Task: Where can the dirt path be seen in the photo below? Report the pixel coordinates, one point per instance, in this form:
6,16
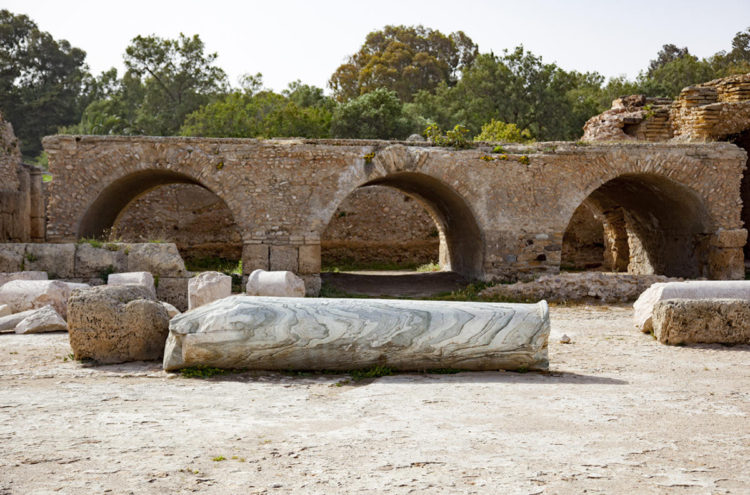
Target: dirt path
395,283
618,413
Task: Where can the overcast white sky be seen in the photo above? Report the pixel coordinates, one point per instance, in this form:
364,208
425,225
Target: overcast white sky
307,40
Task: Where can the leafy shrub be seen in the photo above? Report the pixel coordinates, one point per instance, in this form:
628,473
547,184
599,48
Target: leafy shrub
499,131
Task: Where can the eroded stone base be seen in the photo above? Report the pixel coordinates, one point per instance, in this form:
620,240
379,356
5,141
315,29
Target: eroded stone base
702,321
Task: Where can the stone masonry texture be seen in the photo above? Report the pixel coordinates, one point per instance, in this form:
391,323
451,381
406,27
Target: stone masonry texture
501,216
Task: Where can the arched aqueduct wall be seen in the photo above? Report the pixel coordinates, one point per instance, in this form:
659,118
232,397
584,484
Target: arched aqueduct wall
501,216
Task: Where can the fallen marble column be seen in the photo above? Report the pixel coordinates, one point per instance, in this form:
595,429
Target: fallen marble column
643,308
279,333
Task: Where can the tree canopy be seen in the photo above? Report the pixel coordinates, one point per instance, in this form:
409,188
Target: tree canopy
41,80
301,111
402,80
378,114
404,59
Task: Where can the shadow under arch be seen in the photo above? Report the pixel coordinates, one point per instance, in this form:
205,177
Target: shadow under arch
652,224
451,213
103,212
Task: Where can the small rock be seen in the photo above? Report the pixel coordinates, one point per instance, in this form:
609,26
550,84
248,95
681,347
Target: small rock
208,287
41,320
143,279
565,339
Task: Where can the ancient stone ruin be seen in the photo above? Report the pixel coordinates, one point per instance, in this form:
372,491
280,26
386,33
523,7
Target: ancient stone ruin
651,190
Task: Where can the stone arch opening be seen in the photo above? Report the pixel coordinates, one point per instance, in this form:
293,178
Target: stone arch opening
458,234
649,225
380,227
167,206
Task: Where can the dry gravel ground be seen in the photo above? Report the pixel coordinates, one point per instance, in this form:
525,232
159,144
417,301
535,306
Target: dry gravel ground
617,413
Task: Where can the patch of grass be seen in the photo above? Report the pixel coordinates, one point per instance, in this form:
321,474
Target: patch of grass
374,372
429,267
96,243
31,257
111,246
498,149
104,274
157,241
46,177
205,372
219,458
214,264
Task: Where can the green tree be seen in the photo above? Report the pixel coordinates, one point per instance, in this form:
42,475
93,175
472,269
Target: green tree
378,114
668,53
262,113
177,78
517,88
669,79
41,80
405,60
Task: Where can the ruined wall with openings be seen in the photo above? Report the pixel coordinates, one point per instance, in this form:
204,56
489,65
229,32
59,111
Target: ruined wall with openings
501,216
22,208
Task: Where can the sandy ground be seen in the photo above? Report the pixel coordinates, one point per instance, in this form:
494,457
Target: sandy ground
618,413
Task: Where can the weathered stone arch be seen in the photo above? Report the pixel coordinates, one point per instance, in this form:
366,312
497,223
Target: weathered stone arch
461,237
653,224
103,211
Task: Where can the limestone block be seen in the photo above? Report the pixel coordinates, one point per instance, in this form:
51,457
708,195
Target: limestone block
7,277
694,289
45,319
171,310
143,279
22,295
254,257
284,258
58,260
157,258
277,283
309,259
94,262
173,290
115,324
9,322
5,310
297,333
702,321
11,257
207,287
